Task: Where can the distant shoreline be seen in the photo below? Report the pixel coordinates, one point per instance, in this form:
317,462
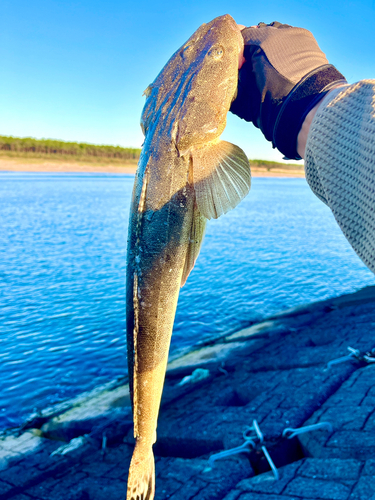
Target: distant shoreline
22,164
64,166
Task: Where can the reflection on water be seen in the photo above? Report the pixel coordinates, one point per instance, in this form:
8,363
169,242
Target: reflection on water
62,277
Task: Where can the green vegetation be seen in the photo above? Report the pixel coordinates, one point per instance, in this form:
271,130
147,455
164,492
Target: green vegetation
273,165
14,146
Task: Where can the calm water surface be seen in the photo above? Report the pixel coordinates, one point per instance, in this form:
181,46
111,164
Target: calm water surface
62,277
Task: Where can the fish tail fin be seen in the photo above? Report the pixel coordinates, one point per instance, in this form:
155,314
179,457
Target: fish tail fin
141,480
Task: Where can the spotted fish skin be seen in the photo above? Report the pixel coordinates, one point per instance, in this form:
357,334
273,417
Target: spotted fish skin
185,176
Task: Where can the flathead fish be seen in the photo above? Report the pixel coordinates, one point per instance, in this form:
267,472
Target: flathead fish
185,176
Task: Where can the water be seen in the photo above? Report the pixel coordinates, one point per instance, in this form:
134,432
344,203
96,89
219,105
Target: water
62,277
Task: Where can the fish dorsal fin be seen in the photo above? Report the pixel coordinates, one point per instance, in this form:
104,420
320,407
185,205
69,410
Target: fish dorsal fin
147,92
198,227
221,175
149,108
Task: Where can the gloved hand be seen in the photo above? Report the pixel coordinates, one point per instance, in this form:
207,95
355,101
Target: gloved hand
284,76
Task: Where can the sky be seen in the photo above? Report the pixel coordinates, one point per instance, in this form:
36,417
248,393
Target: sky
77,70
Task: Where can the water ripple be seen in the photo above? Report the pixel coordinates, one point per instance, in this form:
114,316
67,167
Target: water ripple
62,277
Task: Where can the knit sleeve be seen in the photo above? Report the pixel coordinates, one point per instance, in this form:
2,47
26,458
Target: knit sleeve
340,162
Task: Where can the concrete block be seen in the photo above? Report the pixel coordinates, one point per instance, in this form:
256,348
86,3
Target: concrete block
364,489
318,488
266,483
4,487
348,418
181,479
369,468
330,469
252,496
352,439
233,495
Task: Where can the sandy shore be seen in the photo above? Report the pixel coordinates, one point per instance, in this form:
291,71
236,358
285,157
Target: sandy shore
26,165
255,172
59,166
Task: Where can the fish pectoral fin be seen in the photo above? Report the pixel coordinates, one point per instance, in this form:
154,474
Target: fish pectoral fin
198,227
222,178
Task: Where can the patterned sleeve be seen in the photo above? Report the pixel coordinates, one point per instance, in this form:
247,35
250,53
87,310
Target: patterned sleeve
340,162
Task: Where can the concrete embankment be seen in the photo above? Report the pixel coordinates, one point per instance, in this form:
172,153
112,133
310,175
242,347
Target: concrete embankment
276,373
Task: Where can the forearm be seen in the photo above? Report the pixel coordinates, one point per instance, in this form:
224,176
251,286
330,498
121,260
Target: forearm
340,162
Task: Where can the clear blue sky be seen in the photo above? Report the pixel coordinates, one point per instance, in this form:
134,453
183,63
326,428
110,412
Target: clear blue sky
76,70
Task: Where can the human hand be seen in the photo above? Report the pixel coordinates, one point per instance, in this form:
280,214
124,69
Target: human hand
285,74
242,57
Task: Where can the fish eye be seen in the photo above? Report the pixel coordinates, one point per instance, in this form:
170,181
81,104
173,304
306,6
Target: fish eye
216,52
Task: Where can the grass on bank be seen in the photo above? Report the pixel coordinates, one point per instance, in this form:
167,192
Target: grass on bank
28,147
41,158
272,166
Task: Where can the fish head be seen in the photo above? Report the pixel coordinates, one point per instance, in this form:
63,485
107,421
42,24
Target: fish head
191,96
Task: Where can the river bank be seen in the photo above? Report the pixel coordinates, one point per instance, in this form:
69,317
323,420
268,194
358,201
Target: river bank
22,164
51,165
277,372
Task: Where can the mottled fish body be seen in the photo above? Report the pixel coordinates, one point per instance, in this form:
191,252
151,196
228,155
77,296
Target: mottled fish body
185,176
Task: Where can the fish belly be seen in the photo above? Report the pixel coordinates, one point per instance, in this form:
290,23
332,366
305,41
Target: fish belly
157,247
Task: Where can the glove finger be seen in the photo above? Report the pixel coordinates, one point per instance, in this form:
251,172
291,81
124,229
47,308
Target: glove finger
251,34
246,102
276,24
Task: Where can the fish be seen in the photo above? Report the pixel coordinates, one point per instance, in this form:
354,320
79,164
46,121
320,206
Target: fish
185,176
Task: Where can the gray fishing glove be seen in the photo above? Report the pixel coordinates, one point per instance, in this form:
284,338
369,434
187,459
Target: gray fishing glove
284,76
